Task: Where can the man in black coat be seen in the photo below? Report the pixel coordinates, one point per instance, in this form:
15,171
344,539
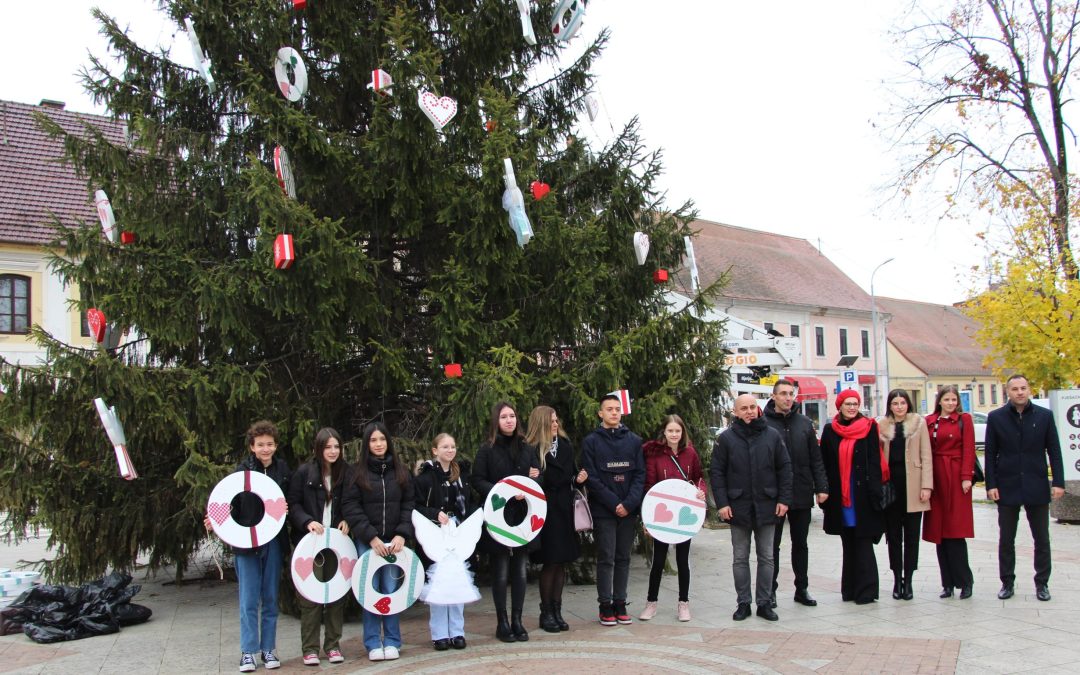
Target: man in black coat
751,482
1019,437
808,480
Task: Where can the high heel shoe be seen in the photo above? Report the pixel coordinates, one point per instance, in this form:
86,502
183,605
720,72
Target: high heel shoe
897,587
946,592
908,593
965,591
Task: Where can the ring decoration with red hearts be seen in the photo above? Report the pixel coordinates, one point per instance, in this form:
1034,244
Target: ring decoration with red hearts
310,555
293,88
385,604
495,512
219,509
671,511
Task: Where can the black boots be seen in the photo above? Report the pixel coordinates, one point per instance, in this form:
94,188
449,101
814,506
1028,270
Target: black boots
518,629
897,586
547,618
503,631
908,593
556,613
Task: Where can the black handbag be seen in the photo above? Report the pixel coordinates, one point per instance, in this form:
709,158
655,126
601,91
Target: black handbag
888,496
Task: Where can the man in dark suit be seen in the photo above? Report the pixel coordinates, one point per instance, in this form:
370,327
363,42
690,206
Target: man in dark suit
1020,436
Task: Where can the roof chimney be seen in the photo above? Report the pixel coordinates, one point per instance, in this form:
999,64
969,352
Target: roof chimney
49,103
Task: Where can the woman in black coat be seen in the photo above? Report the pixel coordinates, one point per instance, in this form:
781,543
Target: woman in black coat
852,454
559,542
506,454
315,494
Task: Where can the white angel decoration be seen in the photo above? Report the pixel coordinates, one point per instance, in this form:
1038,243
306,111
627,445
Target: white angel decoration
449,581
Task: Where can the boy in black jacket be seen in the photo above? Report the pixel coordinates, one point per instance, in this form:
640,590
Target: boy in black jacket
613,458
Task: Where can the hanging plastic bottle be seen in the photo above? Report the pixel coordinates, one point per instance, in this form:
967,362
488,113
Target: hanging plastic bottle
514,203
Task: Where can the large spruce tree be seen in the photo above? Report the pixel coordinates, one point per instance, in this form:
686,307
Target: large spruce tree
405,262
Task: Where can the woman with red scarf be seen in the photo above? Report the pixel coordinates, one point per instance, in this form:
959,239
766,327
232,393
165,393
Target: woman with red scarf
950,521
856,470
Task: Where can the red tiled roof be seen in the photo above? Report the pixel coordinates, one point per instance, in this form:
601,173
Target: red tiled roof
938,339
773,268
34,184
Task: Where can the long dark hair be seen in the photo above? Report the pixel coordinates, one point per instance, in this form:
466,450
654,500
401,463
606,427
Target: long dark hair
337,469
401,473
949,389
898,393
662,437
493,430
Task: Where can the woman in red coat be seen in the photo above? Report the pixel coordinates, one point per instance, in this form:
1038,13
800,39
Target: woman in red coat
950,522
671,456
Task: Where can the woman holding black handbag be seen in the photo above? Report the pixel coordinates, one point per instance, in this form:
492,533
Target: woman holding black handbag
559,543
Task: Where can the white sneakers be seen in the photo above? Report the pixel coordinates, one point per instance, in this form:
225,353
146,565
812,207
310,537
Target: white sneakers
649,611
383,654
376,654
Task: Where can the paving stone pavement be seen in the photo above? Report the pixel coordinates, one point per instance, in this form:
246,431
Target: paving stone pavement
195,630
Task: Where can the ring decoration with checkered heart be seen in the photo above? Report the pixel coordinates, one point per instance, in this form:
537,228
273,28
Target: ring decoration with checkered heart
495,511
385,604
219,509
310,555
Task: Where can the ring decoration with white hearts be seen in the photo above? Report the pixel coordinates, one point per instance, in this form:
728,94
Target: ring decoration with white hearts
283,171
219,509
440,110
310,555
495,512
671,511
288,59
363,582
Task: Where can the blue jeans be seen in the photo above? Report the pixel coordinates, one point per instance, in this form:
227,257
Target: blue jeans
379,630
447,621
258,575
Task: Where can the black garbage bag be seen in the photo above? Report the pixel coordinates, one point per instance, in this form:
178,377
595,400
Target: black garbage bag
57,613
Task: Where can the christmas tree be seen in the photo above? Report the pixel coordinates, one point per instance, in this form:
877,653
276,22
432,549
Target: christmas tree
405,260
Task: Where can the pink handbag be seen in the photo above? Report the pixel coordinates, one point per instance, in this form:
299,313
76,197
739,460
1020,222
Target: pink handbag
582,513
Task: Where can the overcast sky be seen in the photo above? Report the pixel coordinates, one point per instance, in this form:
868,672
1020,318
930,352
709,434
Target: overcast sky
770,116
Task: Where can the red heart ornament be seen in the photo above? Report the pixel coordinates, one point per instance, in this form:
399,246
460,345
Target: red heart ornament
276,508
218,511
304,567
662,514
540,190
537,522
490,125
95,320
383,605
452,370
347,565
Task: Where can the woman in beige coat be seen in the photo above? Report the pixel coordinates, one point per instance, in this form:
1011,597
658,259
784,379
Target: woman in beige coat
906,442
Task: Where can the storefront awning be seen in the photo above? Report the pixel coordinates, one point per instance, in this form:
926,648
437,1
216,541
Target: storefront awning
810,388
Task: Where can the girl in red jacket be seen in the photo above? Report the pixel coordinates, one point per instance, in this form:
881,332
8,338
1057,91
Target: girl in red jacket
671,456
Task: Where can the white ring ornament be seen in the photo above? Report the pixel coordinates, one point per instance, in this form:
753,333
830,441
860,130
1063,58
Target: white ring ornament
495,512
289,59
106,216
671,511
283,171
219,509
304,559
383,604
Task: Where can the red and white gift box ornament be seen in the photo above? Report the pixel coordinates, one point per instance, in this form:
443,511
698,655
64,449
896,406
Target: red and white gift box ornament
452,370
291,74
660,276
567,19
115,431
284,252
95,321
440,110
127,237
381,82
624,399
106,216
283,171
526,22
641,247
202,61
299,4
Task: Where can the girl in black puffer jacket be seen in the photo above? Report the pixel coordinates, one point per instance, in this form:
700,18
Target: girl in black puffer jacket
378,508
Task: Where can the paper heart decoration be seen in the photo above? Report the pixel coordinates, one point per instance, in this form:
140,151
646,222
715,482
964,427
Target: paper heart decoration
304,567
347,565
662,514
452,370
95,321
276,508
641,247
540,190
390,558
219,511
440,110
686,516
383,605
497,502
537,522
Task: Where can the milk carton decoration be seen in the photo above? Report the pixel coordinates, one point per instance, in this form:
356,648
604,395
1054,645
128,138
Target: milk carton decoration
202,61
106,216
691,261
567,19
641,247
592,107
624,399
381,82
514,203
526,22
115,431
284,252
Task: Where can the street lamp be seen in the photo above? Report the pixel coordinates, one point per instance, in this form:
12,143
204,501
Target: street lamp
873,322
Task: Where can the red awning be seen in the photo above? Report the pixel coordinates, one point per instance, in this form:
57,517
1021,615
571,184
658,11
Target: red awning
810,388
866,379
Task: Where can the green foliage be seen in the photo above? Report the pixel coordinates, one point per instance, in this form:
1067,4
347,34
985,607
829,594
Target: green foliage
405,262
